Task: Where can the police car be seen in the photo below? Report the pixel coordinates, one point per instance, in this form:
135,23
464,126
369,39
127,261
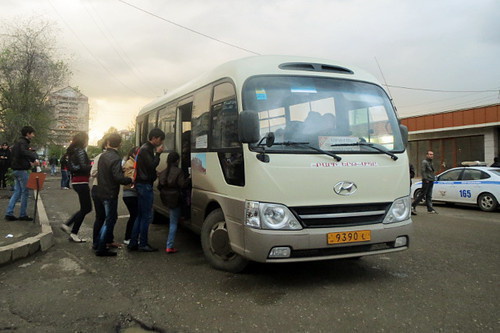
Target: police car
469,185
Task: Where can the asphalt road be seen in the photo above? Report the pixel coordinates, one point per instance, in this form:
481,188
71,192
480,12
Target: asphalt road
446,282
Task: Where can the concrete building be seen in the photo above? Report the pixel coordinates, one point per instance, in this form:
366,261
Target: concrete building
455,136
71,114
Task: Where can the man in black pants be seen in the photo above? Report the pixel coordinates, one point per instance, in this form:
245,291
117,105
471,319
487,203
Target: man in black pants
428,178
109,178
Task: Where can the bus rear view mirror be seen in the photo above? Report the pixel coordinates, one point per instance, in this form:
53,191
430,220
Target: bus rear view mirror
248,127
404,134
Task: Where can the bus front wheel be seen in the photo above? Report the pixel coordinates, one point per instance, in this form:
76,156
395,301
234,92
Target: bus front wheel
216,245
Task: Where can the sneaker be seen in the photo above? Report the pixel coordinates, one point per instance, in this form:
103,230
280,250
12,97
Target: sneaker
66,228
432,212
10,218
126,241
413,211
74,237
106,253
147,248
114,245
171,250
25,218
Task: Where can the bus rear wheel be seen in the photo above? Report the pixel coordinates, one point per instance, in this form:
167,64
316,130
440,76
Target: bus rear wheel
216,246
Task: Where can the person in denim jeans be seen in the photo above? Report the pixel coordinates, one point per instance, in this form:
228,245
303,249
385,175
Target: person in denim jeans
171,182
23,159
148,159
109,178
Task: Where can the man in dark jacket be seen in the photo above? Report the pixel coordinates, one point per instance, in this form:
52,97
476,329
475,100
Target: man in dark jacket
148,159
23,159
428,178
109,178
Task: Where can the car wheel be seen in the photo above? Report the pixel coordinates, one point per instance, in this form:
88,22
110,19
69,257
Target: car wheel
216,245
487,202
416,194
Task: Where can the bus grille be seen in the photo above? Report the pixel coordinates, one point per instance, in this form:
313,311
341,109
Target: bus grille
341,215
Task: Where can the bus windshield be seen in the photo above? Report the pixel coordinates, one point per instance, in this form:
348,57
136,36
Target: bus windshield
325,113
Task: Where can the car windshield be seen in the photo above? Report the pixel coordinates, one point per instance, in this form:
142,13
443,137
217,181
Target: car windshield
323,113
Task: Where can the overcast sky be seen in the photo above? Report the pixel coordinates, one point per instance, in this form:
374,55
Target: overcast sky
122,57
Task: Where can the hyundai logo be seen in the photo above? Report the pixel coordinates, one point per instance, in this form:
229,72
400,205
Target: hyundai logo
345,188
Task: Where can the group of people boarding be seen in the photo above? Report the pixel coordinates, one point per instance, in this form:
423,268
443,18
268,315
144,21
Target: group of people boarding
136,174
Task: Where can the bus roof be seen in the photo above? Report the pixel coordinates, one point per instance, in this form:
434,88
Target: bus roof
241,69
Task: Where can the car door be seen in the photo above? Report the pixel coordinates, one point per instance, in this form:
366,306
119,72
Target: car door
471,185
445,187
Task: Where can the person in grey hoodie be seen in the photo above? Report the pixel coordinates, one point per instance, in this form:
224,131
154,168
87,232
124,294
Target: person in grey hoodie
428,178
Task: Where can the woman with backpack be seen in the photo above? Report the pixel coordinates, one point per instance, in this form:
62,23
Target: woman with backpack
79,166
171,181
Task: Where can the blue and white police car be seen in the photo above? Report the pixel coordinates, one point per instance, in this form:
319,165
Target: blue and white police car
468,185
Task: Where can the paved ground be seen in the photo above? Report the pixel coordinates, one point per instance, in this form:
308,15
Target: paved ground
15,231
446,282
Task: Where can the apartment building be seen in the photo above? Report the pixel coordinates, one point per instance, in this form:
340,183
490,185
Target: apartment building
71,115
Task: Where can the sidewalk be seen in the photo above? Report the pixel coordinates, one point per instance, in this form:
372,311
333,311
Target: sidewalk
20,239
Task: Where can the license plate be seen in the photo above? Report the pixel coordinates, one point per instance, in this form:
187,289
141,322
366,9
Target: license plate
348,237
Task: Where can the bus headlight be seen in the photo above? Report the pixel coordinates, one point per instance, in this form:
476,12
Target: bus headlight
270,216
399,211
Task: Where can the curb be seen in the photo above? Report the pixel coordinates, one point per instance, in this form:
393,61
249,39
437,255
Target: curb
26,247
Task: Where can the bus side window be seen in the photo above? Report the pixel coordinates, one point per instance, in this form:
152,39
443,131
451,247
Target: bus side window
201,119
224,135
166,122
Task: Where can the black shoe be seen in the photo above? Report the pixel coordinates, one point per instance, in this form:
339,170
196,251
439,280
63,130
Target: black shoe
25,218
105,254
132,247
147,248
10,218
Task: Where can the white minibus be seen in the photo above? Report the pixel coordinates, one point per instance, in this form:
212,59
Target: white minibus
291,158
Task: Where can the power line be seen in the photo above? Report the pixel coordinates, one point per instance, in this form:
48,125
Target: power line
441,100
188,29
442,90
90,52
113,42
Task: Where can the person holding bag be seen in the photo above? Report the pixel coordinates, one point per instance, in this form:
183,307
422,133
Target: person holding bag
170,183
129,193
79,166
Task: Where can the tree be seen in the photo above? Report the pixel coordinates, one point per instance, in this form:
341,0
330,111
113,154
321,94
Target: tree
128,142
29,72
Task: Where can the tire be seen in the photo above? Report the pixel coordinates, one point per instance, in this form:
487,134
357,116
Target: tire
416,194
216,246
487,202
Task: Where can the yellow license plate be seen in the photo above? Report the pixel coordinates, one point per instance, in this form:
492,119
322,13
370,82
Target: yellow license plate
348,237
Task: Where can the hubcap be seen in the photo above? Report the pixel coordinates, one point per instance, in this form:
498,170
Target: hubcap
219,240
487,202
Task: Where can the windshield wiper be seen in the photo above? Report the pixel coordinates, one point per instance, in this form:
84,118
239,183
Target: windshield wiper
366,144
307,145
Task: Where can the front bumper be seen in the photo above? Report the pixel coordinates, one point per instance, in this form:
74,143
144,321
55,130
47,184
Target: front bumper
311,243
